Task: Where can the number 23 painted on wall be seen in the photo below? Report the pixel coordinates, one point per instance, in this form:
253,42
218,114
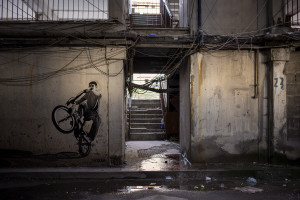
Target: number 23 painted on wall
280,79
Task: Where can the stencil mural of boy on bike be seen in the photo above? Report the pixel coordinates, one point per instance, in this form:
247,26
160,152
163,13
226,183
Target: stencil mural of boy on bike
73,116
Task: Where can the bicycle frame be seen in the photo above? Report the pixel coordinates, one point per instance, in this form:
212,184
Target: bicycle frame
71,122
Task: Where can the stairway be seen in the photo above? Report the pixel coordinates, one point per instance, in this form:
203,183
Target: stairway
174,7
145,120
145,20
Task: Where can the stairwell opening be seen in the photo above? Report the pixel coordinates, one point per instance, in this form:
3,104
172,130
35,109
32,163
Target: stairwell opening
146,110
153,108
150,143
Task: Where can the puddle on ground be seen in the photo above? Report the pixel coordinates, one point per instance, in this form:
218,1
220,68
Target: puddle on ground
192,185
128,189
162,162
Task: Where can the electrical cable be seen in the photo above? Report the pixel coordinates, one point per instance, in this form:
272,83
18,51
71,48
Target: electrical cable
23,80
99,70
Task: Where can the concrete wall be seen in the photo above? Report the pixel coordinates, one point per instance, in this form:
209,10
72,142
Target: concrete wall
277,11
118,10
227,117
33,82
279,58
292,139
221,17
284,112
233,16
183,19
185,115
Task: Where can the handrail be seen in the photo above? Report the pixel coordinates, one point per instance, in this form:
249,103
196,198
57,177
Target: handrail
166,14
163,107
167,8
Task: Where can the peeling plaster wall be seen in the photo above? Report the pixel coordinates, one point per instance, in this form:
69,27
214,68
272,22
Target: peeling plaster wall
26,109
225,120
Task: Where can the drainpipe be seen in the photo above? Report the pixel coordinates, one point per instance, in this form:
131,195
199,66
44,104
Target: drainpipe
270,113
255,84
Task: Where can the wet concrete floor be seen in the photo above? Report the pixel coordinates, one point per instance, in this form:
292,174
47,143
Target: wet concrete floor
153,156
139,156
163,188
162,173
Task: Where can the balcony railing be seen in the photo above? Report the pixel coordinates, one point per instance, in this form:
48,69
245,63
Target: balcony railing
53,10
292,12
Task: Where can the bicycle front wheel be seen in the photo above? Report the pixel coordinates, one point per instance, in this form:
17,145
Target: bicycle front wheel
62,119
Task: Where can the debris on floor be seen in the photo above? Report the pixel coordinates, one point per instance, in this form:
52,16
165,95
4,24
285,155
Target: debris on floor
251,181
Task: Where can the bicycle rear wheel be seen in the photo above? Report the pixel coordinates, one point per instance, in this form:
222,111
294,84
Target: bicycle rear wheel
84,146
62,119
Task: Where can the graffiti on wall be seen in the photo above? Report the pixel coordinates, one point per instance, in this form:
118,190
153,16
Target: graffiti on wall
73,117
279,82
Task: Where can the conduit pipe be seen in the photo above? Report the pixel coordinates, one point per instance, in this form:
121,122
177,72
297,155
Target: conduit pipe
256,73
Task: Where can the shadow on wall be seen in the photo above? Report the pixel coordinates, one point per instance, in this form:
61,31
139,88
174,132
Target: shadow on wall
19,158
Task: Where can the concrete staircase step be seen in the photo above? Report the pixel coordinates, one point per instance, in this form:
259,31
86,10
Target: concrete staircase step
146,125
146,111
145,120
147,136
134,107
145,104
146,130
139,101
134,116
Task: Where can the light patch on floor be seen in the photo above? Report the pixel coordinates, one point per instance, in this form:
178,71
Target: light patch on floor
152,156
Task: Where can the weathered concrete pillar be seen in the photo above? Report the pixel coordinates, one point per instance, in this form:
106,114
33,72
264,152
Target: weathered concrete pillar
185,111
197,105
116,131
279,57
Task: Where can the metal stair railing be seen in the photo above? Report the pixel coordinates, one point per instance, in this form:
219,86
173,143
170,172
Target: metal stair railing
166,14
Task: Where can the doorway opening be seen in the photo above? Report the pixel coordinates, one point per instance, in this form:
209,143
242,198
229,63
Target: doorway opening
146,110
153,125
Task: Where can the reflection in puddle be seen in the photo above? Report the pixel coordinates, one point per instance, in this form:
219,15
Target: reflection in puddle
184,184
154,156
160,162
128,189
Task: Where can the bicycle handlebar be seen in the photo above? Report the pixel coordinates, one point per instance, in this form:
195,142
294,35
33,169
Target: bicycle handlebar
72,99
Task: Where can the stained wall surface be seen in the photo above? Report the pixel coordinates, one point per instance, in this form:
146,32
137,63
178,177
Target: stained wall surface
227,115
227,17
34,81
233,16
